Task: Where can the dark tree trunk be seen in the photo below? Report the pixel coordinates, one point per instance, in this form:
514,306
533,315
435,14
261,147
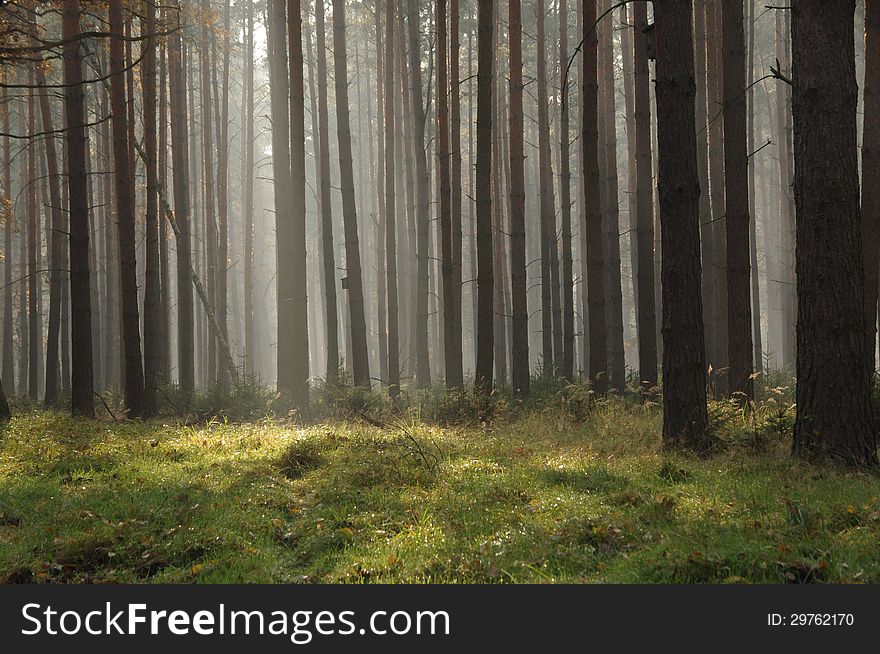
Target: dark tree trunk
451,299
131,339
701,58
359,358
180,168
33,247
81,390
684,388
248,197
222,276
757,341
871,170
834,383
54,236
417,108
520,336
331,318
152,315
206,65
164,269
390,213
296,378
611,212
593,217
547,208
483,181
786,276
455,184
567,282
647,312
8,216
736,170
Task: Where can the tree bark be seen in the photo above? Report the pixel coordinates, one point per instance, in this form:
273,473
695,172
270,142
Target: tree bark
834,417
296,378
389,94
598,356
520,337
81,391
871,171
483,180
684,388
131,339
152,315
359,358
180,168
736,170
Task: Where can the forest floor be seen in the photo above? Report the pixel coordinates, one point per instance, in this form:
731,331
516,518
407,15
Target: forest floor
547,496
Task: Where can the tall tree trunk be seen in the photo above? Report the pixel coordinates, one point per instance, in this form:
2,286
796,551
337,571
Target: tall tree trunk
871,170
164,269
701,60
248,199
834,416
483,180
611,213
381,187
786,205
593,218
131,339
152,315
33,244
736,162
354,283
389,94
455,184
451,301
331,318
417,107
222,275
54,237
718,357
520,336
7,213
207,123
547,208
180,168
81,390
647,311
296,378
684,388
757,342
567,283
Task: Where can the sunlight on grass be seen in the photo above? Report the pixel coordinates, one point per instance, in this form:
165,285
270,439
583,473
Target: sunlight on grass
552,495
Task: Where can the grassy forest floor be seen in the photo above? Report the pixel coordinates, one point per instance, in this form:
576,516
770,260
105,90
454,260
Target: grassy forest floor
569,491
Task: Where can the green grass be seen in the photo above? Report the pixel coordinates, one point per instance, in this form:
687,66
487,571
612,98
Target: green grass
554,495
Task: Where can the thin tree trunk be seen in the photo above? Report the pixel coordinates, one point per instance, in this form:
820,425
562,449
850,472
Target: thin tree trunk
455,184
54,236
8,215
180,168
354,283
296,378
567,283
598,370
81,399
520,337
611,240
390,207
417,107
736,170
547,208
152,316
248,200
483,179
133,374
757,342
